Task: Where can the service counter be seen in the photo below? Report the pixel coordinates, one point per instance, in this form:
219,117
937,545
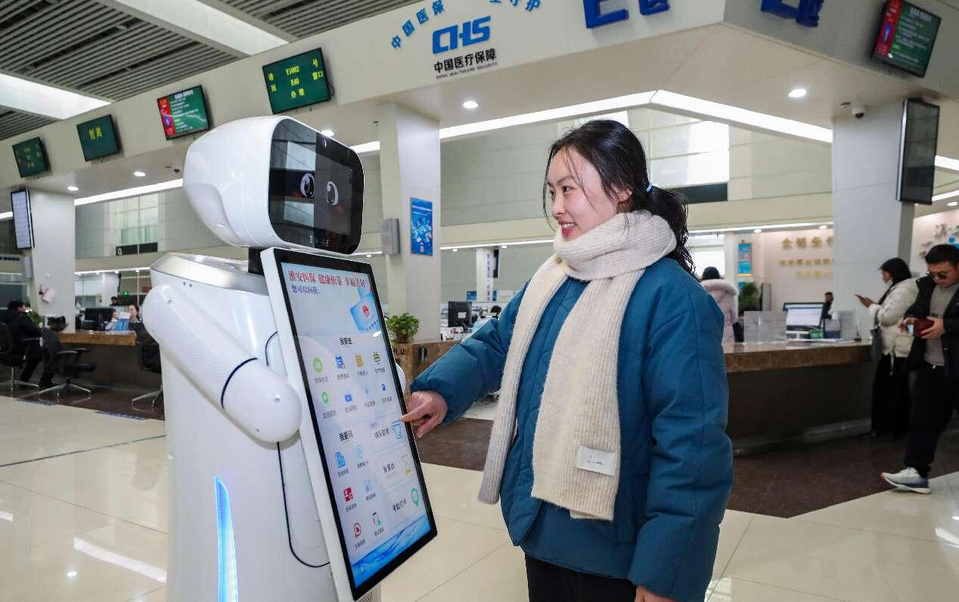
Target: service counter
115,356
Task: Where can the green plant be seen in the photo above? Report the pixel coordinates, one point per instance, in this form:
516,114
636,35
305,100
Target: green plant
36,318
403,327
749,298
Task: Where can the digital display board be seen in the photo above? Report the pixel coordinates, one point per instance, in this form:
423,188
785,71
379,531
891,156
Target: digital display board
31,157
98,138
297,81
183,113
906,37
22,218
917,163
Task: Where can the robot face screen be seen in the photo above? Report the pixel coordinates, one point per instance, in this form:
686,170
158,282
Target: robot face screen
316,189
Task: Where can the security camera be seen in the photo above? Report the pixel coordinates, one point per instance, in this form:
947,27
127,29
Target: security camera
858,111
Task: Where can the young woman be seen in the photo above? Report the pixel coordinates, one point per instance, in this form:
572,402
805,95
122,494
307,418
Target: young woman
890,391
609,450
727,298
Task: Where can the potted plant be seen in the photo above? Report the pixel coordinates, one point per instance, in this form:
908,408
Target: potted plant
402,327
749,298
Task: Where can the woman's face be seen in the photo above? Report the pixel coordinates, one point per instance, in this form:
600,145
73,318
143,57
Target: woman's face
133,312
886,276
579,202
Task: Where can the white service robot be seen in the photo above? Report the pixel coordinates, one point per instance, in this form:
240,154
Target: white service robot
244,521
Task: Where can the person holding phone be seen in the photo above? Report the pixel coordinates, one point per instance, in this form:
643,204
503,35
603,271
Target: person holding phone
609,453
933,320
890,390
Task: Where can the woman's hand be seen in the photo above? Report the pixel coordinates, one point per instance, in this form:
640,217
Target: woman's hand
905,323
644,595
866,301
427,410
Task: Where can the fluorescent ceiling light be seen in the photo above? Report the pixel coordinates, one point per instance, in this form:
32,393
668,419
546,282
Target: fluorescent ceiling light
116,559
139,173
109,271
123,194
471,104
73,188
823,227
6,215
797,93
737,116
39,99
947,163
794,226
367,147
517,243
944,196
8,516
206,22
328,133
952,203
758,231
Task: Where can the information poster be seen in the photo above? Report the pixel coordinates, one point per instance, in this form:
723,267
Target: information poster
297,81
745,259
30,156
183,113
421,227
906,37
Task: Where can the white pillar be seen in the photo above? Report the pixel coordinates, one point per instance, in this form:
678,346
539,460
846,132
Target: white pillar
53,255
484,274
871,226
410,168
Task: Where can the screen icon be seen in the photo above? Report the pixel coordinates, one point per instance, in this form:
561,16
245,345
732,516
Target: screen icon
348,397
383,387
340,363
398,429
359,360
348,494
376,520
376,357
359,452
415,496
368,485
357,530
340,460
317,365
325,397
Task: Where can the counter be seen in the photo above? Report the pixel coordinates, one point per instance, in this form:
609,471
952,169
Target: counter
115,356
93,337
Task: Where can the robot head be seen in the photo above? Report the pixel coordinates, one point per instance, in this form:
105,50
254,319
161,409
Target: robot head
274,182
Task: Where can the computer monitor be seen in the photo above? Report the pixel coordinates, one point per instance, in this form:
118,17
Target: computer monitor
99,315
459,314
803,316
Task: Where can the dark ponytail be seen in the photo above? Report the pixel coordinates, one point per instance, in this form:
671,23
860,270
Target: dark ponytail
617,155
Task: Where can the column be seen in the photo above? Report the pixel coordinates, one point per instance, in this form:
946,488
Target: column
871,226
484,274
410,169
53,255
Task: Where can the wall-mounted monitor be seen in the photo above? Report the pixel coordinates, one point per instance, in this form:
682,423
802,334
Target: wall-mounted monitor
31,157
98,138
917,152
183,113
22,218
906,37
297,81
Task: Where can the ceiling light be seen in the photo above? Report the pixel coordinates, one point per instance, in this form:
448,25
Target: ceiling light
758,231
328,133
952,203
372,147
73,188
129,192
941,163
369,256
72,574
945,195
25,95
823,227
139,173
504,247
456,250
471,104
797,92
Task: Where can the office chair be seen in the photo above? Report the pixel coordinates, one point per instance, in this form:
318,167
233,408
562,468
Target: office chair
66,363
11,360
148,357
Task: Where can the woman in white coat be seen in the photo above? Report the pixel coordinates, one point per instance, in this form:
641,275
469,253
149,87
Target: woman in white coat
890,392
726,296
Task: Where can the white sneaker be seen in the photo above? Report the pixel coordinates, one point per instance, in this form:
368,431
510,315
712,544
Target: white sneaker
908,479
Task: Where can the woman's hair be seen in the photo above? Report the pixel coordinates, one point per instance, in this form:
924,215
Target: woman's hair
899,270
711,273
616,153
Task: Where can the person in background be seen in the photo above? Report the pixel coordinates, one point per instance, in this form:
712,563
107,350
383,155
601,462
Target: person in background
726,296
134,312
890,389
114,301
613,392
495,311
934,322
826,309
21,328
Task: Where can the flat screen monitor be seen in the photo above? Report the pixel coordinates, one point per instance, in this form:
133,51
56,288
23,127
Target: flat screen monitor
803,316
22,218
31,157
459,314
373,480
917,159
183,113
296,81
98,315
98,138
906,37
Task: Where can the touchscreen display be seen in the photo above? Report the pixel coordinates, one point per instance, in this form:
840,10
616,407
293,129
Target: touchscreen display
374,475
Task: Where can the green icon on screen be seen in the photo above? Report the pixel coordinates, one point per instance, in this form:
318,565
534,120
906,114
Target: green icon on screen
326,398
317,365
415,495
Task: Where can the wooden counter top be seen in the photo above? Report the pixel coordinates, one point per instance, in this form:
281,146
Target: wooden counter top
93,337
755,357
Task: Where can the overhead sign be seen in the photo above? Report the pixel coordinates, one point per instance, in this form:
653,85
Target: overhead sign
297,81
31,157
595,17
806,13
906,37
98,138
183,113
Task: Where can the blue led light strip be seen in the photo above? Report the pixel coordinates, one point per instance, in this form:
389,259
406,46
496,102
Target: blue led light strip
227,590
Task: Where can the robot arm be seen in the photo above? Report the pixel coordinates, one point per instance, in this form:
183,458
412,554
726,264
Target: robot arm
258,399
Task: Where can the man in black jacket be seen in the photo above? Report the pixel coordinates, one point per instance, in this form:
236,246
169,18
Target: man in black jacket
935,356
21,328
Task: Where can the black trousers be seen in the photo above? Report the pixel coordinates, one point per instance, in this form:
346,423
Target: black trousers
890,397
32,357
936,398
551,583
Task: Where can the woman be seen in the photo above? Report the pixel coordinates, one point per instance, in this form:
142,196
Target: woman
609,449
890,390
134,313
726,297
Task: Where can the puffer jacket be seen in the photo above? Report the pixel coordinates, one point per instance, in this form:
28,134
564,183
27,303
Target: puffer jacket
899,299
727,297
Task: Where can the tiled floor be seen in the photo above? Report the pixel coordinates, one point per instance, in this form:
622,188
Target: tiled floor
83,517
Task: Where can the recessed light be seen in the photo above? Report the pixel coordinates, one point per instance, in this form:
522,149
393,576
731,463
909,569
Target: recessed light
823,227
72,574
328,133
455,250
470,104
369,256
73,188
758,231
797,92
504,247
952,203
139,173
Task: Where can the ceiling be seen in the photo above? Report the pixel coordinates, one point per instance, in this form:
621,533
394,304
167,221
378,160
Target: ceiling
96,48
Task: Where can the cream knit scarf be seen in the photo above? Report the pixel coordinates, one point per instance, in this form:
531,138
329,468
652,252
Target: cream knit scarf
576,447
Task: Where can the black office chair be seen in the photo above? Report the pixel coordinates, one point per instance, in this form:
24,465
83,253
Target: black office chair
11,359
66,363
148,357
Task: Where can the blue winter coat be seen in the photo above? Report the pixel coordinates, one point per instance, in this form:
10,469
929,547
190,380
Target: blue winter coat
676,469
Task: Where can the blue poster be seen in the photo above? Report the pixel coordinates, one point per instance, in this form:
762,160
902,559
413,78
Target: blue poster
421,227
745,259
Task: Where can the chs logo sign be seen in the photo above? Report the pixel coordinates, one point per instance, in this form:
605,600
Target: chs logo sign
469,33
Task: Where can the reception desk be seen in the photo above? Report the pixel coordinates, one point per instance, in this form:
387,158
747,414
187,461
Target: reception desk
115,356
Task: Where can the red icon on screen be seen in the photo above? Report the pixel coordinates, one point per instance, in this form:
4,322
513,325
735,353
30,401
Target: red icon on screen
348,494
366,311
357,530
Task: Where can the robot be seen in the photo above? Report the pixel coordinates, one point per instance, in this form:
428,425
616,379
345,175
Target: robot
243,519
